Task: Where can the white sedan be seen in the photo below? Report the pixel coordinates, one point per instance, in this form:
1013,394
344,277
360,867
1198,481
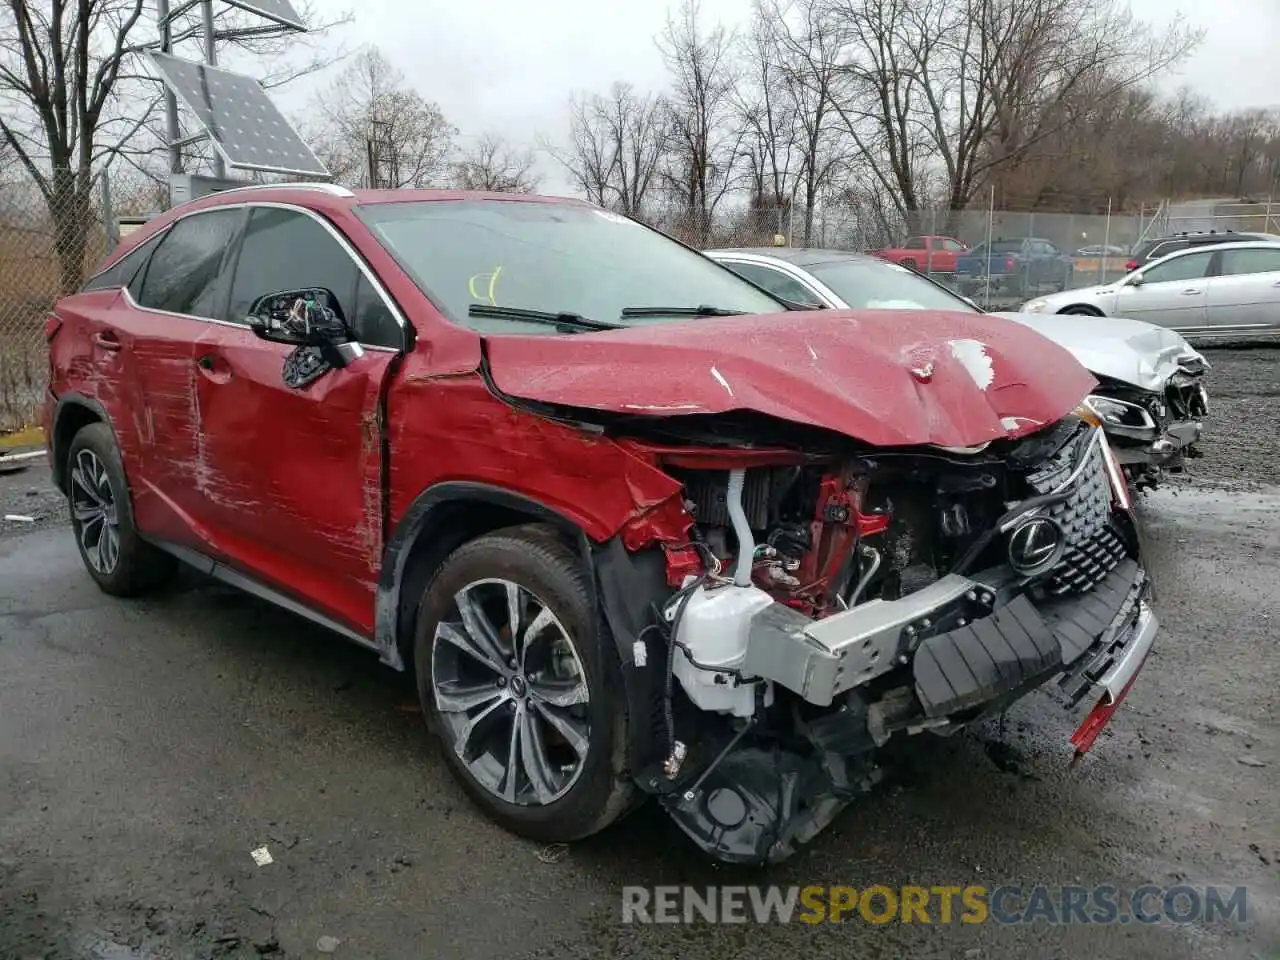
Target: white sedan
1225,290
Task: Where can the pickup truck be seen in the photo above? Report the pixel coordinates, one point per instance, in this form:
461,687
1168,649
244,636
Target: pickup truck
1019,267
930,255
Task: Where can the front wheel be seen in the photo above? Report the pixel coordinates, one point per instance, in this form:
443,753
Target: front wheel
118,559
519,677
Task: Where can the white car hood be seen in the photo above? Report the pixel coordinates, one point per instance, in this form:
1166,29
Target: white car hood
1142,354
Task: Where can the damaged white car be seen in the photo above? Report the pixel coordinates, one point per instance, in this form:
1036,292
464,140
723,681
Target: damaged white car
1151,394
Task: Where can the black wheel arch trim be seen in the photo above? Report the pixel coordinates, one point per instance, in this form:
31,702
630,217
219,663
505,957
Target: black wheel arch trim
427,510
66,401
623,586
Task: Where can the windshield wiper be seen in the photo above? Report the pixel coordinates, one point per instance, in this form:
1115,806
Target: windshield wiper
702,311
574,321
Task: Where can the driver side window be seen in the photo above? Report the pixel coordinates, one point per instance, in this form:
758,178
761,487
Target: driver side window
289,250
1191,267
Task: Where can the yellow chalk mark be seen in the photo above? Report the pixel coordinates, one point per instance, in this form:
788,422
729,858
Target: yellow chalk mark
493,285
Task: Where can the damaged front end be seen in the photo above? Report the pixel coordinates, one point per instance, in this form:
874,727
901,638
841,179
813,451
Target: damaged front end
1154,432
820,605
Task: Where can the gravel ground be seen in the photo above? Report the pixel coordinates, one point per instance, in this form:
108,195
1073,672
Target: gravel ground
146,748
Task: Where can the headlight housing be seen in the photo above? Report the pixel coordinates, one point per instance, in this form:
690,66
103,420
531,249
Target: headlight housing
1119,413
1035,306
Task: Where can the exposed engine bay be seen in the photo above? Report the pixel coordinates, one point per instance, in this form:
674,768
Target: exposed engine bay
826,603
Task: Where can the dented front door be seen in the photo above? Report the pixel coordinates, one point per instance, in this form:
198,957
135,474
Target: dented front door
294,474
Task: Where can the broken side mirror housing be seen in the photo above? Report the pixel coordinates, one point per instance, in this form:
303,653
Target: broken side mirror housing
307,317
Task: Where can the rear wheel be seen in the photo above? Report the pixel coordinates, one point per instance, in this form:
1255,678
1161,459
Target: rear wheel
520,679
117,558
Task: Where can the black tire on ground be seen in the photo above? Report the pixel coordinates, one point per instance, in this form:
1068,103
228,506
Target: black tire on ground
910,264
1080,310
136,567
536,560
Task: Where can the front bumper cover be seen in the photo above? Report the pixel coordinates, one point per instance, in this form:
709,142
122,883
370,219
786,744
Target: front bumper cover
970,641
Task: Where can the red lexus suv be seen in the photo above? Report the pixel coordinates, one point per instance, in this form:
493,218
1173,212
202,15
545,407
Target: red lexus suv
637,528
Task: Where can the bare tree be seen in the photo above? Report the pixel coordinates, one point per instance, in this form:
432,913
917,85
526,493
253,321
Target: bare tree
370,100
703,143
804,43
492,164
66,82
616,144
971,87
771,127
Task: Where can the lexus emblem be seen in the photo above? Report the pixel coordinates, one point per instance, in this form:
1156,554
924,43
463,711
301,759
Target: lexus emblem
1035,545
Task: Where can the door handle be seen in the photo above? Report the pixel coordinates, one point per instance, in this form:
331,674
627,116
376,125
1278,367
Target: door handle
212,369
1191,292
107,341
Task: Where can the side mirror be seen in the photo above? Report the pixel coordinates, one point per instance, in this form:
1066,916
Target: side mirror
309,317
1135,281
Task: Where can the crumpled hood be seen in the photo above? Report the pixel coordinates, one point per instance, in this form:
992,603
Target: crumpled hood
1131,351
886,377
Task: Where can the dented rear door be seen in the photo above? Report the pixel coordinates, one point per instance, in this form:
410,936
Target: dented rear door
170,309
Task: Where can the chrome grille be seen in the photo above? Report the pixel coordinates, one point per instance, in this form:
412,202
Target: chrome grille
1093,547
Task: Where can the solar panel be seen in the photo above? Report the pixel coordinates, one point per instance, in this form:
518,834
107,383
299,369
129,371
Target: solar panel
244,125
278,10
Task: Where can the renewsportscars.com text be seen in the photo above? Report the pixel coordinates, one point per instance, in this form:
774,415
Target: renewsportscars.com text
878,904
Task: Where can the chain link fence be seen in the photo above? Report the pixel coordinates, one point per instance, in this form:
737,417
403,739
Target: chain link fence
999,258
47,247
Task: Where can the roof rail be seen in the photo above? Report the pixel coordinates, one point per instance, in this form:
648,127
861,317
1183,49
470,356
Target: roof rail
330,188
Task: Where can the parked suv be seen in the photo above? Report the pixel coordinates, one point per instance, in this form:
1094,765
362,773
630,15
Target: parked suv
636,529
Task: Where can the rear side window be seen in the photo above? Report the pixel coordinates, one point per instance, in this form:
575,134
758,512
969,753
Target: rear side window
1238,262
287,250
124,270
182,276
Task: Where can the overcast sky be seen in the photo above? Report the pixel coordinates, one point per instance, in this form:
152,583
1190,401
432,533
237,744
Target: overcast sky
508,66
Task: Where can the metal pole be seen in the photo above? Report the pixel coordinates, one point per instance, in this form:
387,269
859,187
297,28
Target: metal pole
991,220
170,101
108,214
211,58
1106,242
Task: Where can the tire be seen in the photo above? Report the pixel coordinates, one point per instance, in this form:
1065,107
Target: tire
577,792
911,264
1079,310
116,557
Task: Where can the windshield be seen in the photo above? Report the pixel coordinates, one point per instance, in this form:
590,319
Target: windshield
556,258
880,285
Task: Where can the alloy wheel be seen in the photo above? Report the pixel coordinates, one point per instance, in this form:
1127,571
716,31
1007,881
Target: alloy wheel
511,692
94,513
